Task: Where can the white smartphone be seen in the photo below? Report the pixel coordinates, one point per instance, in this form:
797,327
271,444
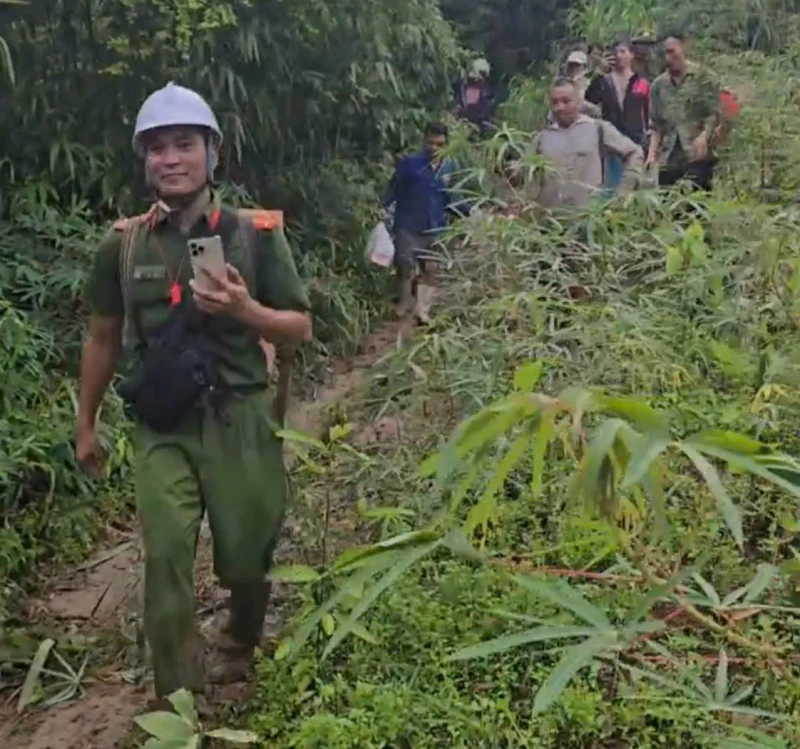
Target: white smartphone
206,253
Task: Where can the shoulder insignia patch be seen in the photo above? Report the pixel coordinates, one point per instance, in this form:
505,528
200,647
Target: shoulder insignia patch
263,220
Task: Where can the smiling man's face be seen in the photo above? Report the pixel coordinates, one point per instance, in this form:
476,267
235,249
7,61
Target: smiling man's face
176,160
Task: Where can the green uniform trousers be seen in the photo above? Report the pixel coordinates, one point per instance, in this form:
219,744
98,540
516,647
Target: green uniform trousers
228,464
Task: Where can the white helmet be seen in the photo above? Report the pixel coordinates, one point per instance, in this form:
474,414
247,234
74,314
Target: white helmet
172,106
480,68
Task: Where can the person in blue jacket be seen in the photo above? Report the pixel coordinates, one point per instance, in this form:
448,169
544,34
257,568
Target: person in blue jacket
420,193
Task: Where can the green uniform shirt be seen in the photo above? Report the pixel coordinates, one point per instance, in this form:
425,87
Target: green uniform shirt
267,268
680,111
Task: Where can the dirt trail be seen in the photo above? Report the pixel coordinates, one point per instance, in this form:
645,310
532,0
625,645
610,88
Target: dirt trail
103,598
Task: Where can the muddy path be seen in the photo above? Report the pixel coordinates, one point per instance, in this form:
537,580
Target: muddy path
99,602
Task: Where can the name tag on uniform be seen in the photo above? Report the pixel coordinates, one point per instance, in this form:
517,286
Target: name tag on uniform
149,272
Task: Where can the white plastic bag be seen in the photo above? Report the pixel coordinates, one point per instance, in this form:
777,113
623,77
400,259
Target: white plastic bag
380,248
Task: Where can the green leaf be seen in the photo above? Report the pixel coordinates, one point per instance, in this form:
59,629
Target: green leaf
732,442
460,545
161,744
297,573
35,670
508,642
406,561
528,376
183,702
637,411
357,629
642,458
482,512
232,736
166,726
290,435
764,576
708,589
573,660
541,441
729,511
328,624
674,260
563,596
592,481
283,650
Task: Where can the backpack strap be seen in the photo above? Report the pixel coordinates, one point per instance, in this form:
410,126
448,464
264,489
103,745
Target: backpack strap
130,229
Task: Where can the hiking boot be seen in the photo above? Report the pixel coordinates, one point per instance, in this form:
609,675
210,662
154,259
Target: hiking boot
406,300
235,666
422,309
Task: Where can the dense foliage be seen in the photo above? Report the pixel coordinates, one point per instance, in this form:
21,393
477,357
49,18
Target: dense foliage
604,553
313,97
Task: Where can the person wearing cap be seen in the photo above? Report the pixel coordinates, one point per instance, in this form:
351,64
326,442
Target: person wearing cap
227,460
577,71
474,96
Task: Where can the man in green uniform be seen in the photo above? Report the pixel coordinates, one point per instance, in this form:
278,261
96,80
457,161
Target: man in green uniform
684,114
226,459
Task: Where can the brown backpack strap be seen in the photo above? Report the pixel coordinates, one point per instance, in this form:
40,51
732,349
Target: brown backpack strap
130,228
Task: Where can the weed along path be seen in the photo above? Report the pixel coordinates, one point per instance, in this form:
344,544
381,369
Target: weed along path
93,611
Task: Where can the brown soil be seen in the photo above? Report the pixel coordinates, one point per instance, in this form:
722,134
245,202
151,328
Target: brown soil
103,597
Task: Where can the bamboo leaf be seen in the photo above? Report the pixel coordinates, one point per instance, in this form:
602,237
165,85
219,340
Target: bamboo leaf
32,677
573,660
597,457
406,561
528,376
708,589
544,435
482,512
298,573
563,596
290,435
729,511
764,576
508,642
642,459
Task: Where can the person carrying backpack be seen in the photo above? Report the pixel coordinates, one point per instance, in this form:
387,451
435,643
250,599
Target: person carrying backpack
205,429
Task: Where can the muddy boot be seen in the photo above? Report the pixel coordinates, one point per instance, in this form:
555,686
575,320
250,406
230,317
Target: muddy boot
406,299
422,309
237,641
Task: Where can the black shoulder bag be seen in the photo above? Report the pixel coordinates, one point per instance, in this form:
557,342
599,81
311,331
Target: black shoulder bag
177,367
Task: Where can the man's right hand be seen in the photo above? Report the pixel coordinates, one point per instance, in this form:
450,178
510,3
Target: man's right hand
87,451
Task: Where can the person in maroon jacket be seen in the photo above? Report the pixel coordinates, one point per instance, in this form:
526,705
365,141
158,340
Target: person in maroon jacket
624,100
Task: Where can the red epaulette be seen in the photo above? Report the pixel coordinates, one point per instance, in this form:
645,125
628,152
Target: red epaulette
263,220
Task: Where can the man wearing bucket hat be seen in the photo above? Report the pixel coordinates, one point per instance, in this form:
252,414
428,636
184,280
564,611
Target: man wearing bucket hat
199,393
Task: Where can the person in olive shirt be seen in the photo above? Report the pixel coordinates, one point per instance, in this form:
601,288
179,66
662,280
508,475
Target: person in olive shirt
226,461
684,114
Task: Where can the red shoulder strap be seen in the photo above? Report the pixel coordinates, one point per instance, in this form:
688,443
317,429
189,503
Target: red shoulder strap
263,220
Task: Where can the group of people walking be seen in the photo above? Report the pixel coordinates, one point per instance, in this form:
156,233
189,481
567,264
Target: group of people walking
200,394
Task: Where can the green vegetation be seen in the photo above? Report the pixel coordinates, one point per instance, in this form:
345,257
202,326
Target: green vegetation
313,99
582,529
604,553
